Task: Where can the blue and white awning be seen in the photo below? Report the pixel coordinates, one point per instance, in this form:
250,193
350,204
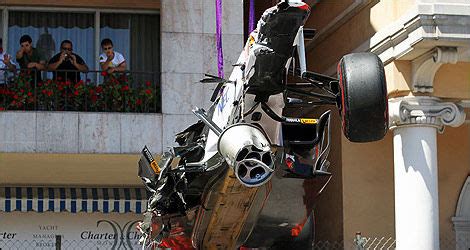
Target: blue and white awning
73,200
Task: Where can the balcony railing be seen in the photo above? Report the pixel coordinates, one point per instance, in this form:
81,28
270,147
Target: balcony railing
69,90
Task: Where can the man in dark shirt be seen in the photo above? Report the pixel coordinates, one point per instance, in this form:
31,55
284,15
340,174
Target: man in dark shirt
67,60
30,58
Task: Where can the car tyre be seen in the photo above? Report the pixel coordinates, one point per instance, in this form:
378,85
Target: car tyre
362,101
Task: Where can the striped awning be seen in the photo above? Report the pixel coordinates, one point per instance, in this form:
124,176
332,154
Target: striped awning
73,200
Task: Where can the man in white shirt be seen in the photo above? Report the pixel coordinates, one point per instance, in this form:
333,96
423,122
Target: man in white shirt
7,65
111,61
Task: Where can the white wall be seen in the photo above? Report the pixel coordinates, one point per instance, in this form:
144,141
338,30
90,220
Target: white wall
188,52
79,132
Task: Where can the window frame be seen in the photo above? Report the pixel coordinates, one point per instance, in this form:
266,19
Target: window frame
97,22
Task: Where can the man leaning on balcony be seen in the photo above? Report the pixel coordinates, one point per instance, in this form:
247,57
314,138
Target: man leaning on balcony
111,61
31,61
67,64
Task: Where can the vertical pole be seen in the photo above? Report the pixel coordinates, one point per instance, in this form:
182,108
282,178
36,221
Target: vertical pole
5,29
58,242
416,188
97,44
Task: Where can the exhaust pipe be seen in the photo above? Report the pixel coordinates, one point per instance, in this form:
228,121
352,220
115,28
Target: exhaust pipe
246,149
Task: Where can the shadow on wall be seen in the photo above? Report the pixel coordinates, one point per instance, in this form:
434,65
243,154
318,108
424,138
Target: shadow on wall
342,27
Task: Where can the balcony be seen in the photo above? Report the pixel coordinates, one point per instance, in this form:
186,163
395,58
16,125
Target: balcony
98,114
80,132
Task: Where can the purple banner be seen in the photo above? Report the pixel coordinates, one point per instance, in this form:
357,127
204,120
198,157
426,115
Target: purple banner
251,17
218,25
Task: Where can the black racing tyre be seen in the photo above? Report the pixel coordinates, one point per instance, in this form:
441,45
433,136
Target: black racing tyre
363,101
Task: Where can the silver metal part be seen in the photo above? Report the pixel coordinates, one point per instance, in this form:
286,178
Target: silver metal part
201,114
300,43
246,149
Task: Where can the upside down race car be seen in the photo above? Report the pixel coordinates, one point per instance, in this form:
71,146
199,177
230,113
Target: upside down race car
210,190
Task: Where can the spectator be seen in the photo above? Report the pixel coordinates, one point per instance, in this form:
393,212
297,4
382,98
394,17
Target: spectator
67,60
111,61
6,65
30,58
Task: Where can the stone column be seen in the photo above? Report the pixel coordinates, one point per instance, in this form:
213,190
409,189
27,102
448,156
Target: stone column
415,121
188,52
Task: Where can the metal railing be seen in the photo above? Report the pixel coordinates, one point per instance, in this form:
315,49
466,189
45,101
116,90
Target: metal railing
70,90
368,243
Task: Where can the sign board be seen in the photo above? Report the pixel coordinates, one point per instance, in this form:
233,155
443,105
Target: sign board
81,230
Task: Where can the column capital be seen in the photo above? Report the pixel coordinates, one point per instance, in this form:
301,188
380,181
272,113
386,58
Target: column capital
424,111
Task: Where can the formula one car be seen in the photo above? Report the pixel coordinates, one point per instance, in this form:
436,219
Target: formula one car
218,179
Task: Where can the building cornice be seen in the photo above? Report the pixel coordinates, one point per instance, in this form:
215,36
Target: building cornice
424,111
418,31
409,39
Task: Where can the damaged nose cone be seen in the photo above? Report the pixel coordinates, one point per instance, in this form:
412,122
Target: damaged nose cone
248,152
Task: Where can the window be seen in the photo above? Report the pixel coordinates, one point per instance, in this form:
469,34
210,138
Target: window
136,37
49,29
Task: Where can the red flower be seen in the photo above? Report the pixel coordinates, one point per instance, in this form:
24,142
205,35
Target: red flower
148,83
60,88
148,91
104,73
94,98
2,108
30,94
138,102
99,89
76,93
15,97
22,90
78,84
125,88
39,84
68,83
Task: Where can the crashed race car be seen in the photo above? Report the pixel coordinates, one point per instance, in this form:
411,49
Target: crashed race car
218,179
